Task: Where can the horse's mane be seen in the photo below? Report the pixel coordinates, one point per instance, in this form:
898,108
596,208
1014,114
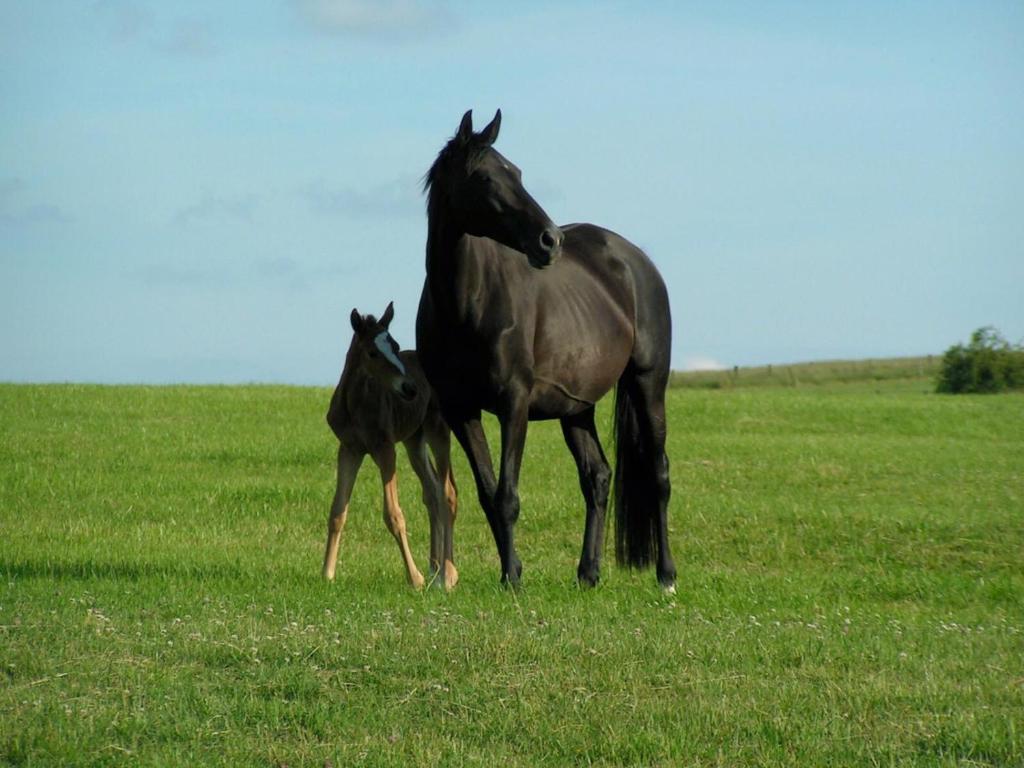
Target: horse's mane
336,410
474,150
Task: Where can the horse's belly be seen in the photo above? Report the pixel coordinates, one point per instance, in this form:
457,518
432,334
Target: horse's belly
575,383
551,401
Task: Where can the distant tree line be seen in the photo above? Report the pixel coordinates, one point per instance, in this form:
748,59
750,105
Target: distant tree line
989,363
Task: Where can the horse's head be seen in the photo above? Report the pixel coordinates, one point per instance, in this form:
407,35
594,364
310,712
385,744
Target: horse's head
375,353
485,194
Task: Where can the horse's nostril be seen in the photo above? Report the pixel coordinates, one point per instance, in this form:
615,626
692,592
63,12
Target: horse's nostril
548,241
409,389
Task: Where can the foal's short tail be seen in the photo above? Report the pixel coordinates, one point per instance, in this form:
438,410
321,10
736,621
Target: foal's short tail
635,485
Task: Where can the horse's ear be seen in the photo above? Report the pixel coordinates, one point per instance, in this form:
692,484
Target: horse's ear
465,131
389,313
490,134
357,321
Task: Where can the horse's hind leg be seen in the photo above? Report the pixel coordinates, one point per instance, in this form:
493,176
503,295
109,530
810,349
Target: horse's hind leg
581,437
348,467
650,389
433,500
439,438
393,517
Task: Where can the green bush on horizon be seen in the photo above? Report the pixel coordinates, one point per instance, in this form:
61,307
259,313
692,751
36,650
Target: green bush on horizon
989,363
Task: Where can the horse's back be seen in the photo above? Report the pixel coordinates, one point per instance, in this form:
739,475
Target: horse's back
599,307
652,316
615,262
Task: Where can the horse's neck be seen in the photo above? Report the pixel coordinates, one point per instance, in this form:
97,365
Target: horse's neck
364,408
447,261
349,370
442,241
355,387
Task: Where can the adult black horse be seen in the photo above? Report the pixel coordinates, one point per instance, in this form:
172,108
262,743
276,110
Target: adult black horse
532,321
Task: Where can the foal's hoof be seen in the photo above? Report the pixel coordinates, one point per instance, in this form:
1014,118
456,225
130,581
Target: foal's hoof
416,580
448,579
451,576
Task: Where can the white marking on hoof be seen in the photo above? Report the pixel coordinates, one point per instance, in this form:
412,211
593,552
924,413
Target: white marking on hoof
669,590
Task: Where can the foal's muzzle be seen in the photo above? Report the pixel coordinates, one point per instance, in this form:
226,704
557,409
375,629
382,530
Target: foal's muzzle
408,390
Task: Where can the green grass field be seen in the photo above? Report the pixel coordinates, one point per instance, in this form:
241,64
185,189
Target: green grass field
850,591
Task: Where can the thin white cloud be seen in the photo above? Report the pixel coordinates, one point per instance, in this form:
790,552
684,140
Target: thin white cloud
217,208
399,198
206,271
124,20
16,210
129,23
700,363
190,38
11,191
373,17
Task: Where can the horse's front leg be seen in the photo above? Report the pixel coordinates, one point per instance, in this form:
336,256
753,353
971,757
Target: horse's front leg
441,566
439,438
469,431
393,517
506,497
348,467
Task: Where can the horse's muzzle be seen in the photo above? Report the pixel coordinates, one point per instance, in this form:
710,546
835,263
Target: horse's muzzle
549,248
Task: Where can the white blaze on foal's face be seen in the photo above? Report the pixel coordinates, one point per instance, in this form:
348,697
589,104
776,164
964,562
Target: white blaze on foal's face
384,347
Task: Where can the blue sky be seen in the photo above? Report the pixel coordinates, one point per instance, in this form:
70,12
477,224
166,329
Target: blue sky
198,192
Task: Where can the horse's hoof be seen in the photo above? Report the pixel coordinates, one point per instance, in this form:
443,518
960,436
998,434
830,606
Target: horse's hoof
587,579
511,580
446,579
514,574
451,576
667,580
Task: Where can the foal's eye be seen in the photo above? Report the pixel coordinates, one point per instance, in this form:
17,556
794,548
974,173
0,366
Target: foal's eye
374,354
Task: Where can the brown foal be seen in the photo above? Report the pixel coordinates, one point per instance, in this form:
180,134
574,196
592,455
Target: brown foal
382,399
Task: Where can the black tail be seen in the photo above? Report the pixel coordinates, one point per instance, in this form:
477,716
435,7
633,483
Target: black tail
635,486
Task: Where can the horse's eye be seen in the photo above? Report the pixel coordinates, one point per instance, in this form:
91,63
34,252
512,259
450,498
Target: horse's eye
374,354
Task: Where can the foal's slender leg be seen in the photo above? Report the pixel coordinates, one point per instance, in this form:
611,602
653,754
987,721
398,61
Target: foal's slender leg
433,500
348,467
581,437
439,438
393,517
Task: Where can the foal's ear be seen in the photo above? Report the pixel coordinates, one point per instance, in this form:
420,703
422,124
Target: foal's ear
465,131
489,134
389,313
357,321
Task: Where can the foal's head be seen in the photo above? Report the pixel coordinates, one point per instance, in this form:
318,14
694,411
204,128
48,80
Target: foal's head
484,194
375,353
